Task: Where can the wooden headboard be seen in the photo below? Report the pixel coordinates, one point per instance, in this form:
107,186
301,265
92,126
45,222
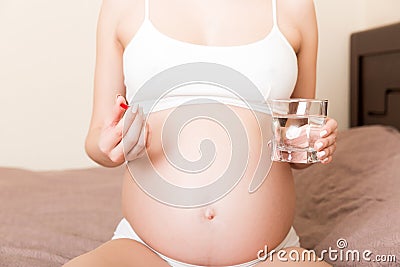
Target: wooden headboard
375,76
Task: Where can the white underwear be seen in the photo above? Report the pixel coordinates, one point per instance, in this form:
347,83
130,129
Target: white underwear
125,230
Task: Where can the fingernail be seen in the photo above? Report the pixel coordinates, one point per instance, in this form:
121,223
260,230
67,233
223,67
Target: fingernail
325,160
321,154
323,133
134,108
318,145
124,106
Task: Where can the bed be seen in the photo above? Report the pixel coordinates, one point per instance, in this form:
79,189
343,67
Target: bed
47,218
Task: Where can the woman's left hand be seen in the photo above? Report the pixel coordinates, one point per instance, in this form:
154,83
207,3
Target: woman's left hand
326,145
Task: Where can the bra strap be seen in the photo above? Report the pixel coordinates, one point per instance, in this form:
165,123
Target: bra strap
146,9
274,16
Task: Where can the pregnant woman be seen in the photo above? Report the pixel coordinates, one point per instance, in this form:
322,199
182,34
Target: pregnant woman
271,42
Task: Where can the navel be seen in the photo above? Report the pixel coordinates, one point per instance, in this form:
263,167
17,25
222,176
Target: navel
209,214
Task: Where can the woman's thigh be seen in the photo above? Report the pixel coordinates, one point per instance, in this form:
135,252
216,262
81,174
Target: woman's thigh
121,253
287,262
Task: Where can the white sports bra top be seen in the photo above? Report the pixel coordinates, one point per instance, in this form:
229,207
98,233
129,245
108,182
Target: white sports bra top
270,64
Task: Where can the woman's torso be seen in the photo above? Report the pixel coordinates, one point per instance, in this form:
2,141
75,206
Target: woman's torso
232,229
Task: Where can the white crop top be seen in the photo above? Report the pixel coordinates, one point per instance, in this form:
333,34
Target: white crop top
270,64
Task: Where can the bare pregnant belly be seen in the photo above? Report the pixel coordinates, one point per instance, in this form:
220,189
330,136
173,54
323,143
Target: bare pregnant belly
228,231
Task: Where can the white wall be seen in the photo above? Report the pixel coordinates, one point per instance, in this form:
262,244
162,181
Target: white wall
47,51
381,12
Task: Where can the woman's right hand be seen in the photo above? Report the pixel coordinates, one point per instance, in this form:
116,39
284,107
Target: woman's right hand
125,134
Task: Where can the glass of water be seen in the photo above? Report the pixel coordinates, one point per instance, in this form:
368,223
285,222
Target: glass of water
296,125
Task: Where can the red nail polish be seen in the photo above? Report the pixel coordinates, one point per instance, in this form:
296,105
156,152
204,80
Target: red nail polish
124,106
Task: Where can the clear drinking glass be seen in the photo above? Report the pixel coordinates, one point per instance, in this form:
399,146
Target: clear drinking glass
296,125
